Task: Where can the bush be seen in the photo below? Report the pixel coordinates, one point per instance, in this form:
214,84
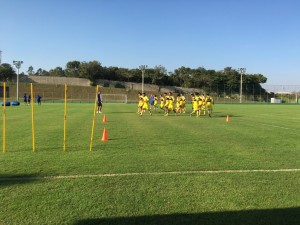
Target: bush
106,84
93,83
119,85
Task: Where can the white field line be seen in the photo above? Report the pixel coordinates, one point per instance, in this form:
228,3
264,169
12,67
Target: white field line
280,127
80,176
269,125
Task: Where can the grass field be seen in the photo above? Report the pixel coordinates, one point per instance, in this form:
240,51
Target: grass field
153,169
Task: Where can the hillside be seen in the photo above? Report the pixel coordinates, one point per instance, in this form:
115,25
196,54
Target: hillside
79,89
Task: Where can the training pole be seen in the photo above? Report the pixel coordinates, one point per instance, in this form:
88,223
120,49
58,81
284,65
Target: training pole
65,119
32,117
93,124
4,117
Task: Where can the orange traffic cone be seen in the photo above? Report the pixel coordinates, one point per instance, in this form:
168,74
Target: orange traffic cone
227,119
104,119
104,135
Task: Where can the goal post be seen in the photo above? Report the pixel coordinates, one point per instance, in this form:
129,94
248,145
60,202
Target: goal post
114,98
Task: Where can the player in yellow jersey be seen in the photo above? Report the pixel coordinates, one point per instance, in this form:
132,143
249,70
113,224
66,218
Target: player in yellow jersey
155,102
192,101
209,102
140,103
195,105
145,104
162,102
171,103
178,104
166,106
200,103
183,100
203,106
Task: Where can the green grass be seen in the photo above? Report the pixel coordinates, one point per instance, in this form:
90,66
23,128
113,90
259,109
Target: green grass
258,137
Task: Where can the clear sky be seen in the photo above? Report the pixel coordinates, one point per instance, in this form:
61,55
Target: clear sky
261,35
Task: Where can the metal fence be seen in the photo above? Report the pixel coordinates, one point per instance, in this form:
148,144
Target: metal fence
282,88
266,94
221,94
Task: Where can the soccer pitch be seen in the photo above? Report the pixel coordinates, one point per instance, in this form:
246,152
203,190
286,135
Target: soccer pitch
153,169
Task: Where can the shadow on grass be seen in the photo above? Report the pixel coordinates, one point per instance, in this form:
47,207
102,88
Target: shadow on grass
214,115
287,216
121,112
219,114
7,179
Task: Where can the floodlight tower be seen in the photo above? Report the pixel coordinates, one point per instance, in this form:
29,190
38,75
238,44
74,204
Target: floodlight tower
143,68
242,72
18,66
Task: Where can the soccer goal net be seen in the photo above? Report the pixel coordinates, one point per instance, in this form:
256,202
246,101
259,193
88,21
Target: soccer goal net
114,98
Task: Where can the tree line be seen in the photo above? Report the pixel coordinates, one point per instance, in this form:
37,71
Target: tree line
227,79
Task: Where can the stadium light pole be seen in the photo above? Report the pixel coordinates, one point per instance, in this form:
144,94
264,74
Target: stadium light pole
143,68
242,72
18,66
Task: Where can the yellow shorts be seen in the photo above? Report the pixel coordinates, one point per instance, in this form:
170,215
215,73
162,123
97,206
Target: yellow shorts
145,106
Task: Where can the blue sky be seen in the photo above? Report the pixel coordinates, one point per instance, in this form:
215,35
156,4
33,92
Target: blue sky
261,35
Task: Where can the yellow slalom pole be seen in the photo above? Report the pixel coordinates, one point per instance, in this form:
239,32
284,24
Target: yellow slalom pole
65,119
93,124
32,117
4,117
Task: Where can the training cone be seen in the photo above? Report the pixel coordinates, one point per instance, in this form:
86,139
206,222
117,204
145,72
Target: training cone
104,136
227,119
104,119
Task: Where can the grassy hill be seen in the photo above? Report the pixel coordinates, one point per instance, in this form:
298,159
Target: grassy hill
79,90
52,92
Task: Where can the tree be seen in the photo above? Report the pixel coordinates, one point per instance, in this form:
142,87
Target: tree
124,74
233,79
6,72
183,77
91,70
199,77
260,78
136,75
227,80
110,73
57,72
41,72
30,71
157,73
72,69
45,73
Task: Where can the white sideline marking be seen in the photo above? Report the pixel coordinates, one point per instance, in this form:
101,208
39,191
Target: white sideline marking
285,128
280,127
144,174
270,125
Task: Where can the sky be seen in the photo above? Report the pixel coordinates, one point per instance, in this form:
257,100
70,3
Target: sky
262,36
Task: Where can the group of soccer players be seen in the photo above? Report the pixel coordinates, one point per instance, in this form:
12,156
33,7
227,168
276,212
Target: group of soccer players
200,103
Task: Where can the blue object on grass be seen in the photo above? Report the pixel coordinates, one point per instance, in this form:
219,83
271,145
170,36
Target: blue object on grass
7,104
15,103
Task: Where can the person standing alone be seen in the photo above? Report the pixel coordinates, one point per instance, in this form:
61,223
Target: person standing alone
28,99
25,99
39,99
99,108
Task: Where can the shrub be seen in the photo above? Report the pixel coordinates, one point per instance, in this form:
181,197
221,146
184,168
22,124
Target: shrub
119,85
106,84
93,83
